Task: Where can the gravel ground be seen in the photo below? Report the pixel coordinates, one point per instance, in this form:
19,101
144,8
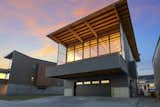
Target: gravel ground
61,101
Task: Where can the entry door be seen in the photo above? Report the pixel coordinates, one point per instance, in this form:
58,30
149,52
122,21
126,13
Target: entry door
93,89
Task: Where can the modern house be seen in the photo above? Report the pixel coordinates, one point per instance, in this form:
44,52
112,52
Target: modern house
27,76
97,54
156,67
146,85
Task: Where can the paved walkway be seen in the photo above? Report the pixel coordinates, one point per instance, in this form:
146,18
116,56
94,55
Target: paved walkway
60,101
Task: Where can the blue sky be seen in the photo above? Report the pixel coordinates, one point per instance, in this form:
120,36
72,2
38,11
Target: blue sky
25,24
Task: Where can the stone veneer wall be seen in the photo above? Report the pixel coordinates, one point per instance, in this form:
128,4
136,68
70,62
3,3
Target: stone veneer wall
16,89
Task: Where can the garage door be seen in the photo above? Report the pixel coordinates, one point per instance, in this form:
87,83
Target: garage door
93,88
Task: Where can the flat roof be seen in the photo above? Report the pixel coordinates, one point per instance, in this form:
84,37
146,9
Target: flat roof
106,20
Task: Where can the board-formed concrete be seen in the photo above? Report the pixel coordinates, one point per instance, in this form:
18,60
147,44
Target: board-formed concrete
19,89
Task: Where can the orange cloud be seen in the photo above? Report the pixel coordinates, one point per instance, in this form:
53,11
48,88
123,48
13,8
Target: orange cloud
81,12
4,63
89,7
36,29
47,50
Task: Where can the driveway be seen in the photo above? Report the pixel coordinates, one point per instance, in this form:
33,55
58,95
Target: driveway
61,101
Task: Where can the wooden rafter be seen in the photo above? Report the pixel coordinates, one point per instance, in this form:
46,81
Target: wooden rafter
58,41
117,13
91,29
76,35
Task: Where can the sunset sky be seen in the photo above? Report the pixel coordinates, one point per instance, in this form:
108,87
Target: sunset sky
24,25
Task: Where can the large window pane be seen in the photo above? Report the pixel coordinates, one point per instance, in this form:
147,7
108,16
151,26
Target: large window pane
78,52
70,54
103,45
93,48
3,76
115,44
61,55
86,50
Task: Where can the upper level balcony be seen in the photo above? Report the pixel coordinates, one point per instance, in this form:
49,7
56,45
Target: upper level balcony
98,65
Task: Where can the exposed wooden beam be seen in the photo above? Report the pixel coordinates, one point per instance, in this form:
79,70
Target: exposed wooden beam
57,40
105,20
105,24
102,16
117,13
92,30
76,35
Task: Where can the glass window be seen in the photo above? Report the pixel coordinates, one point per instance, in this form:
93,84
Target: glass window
87,82
61,54
70,54
86,50
105,82
78,52
3,76
103,45
79,83
115,45
95,82
93,48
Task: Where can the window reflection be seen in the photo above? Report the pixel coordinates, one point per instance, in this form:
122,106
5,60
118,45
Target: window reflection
70,54
101,46
86,50
78,52
115,45
4,76
93,48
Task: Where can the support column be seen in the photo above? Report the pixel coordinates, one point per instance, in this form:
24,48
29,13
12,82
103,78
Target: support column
122,92
68,88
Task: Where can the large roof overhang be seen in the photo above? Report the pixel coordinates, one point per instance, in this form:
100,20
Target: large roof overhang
105,20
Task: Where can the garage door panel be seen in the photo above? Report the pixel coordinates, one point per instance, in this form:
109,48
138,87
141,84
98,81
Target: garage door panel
93,90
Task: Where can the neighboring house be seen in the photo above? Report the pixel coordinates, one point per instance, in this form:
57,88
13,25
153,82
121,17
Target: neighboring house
4,76
97,54
145,84
27,76
156,67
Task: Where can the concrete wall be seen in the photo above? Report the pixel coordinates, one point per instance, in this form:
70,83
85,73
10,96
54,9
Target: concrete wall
19,89
122,92
69,88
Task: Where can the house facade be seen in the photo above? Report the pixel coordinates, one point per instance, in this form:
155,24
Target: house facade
146,85
97,54
156,67
27,76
